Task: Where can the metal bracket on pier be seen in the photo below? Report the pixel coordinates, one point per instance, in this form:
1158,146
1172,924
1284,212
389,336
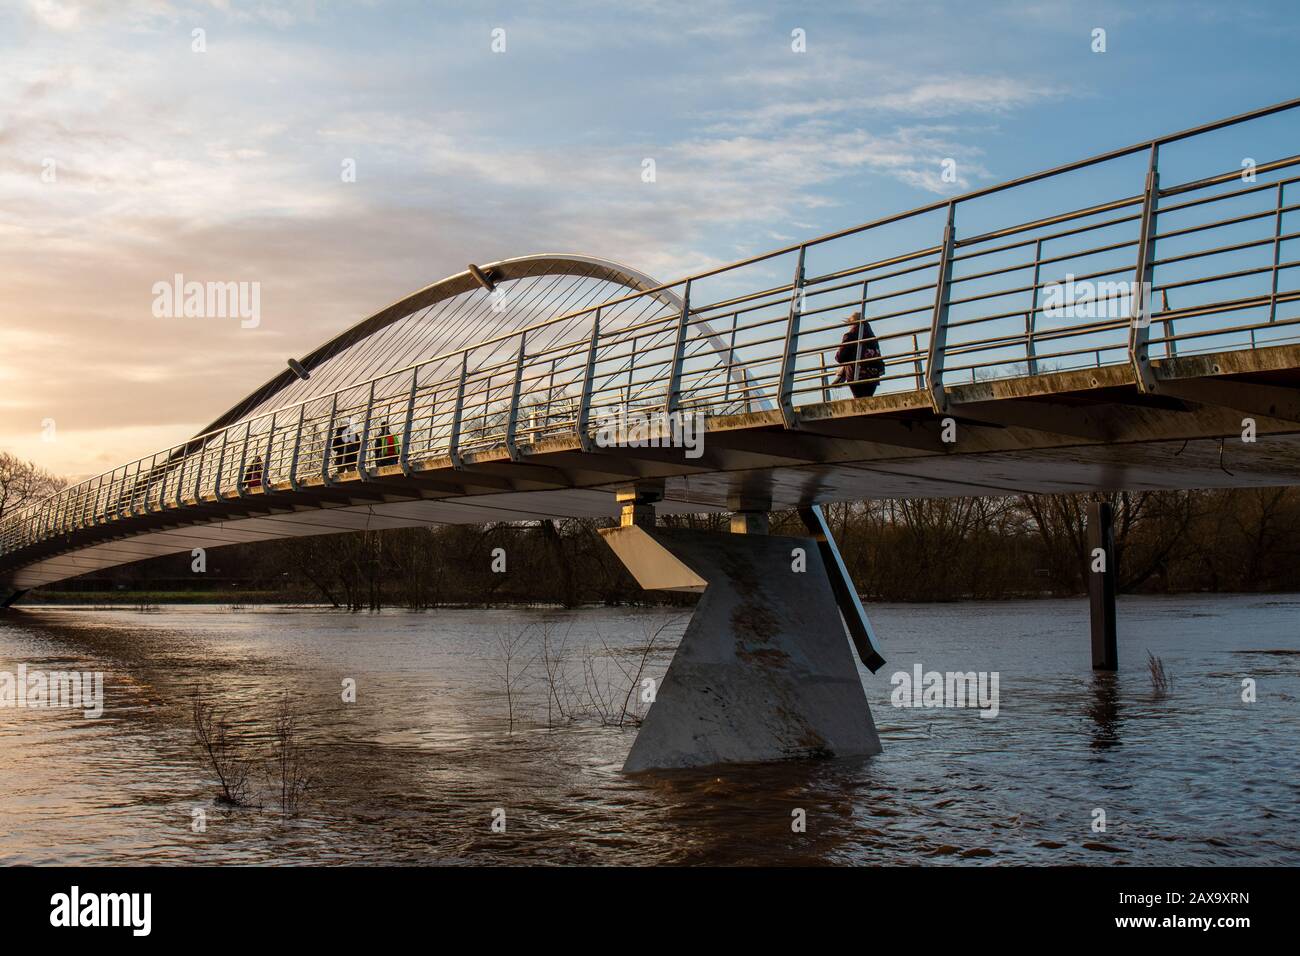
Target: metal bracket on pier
846,595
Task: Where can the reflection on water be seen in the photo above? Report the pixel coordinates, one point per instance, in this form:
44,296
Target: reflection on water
1104,709
412,772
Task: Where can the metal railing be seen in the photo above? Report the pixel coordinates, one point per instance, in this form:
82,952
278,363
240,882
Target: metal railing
980,301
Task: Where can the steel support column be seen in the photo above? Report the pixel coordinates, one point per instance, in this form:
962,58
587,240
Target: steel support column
1101,586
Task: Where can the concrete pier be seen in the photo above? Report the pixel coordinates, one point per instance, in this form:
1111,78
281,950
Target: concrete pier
765,670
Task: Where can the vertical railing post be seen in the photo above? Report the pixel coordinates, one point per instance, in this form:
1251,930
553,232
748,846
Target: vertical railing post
1140,302
142,486
362,472
1171,332
916,362
512,421
180,476
1277,254
934,362
631,369
1031,317
453,446
162,482
297,448
588,384
550,396
134,487
221,463
115,492
149,481
862,314
139,486
731,359
198,474
327,442
266,459
243,459
673,398
404,456
790,356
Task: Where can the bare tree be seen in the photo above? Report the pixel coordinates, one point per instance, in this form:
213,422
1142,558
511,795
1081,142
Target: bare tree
508,667
288,760
212,734
1161,682
23,482
634,679
560,698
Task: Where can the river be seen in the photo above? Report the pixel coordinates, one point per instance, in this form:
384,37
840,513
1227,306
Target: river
418,767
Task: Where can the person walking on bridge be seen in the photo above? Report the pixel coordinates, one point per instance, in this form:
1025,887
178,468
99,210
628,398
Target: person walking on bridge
385,447
861,365
339,448
253,473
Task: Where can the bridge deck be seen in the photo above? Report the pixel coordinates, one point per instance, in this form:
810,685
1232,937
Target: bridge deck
1054,432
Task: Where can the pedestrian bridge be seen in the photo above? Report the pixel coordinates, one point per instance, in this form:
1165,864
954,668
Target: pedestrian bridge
1120,322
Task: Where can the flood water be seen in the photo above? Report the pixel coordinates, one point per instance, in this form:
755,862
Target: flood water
414,769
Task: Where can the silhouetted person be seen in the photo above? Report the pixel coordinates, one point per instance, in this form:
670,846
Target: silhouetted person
253,473
339,447
352,449
385,447
861,365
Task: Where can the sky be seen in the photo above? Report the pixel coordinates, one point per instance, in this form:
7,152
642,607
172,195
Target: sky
133,148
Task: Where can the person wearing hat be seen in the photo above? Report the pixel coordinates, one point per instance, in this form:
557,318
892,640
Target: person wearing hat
861,365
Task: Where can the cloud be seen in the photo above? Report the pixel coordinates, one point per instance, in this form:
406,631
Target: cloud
226,166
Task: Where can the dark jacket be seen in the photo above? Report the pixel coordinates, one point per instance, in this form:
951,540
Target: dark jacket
859,354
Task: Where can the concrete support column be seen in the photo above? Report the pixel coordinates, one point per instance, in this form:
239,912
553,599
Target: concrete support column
1101,586
750,514
11,598
764,671
637,503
